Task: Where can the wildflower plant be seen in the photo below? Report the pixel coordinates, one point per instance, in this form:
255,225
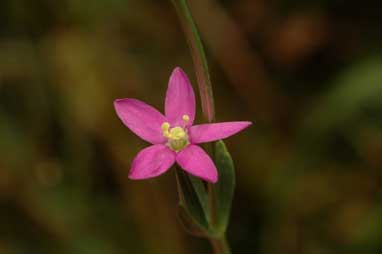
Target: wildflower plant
205,181
173,136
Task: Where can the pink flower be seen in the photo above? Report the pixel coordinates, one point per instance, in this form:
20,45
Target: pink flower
173,137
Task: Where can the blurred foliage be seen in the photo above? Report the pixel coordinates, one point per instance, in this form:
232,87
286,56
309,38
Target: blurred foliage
309,74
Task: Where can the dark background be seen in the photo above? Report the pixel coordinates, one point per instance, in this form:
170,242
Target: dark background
308,73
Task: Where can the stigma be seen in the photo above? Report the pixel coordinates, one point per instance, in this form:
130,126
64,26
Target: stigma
177,137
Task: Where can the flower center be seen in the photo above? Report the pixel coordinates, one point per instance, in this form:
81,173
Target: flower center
177,137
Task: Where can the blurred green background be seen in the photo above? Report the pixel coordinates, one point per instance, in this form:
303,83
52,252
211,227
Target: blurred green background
308,73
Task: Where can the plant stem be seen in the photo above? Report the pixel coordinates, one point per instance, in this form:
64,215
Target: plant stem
199,58
220,245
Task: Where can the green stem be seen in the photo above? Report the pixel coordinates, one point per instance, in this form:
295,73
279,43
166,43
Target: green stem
199,58
220,245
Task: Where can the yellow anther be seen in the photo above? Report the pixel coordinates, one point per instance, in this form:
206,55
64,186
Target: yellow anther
186,118
177,137
165,128
177,133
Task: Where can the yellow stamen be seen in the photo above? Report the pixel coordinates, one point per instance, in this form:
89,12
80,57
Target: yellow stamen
165,128
186,119
177,133
177,137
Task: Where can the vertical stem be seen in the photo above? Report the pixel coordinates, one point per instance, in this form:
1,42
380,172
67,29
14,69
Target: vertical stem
220,245
199,58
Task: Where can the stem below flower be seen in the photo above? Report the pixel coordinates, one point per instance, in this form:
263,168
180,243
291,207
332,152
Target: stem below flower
219,244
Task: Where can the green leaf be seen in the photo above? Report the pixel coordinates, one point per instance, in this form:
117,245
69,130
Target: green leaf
189,223
224,189
192,198
201,193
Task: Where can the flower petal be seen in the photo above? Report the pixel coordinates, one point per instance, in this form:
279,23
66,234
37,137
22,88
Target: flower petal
180,98
214,131
196,161
142,119
152,161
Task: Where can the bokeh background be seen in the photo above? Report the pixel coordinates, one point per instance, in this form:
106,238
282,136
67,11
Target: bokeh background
308,73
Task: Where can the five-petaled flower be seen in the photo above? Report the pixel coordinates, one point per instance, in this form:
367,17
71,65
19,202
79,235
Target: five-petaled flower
173,137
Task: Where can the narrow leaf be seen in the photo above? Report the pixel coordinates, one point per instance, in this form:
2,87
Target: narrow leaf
189,223
201,193
224,189
188,198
